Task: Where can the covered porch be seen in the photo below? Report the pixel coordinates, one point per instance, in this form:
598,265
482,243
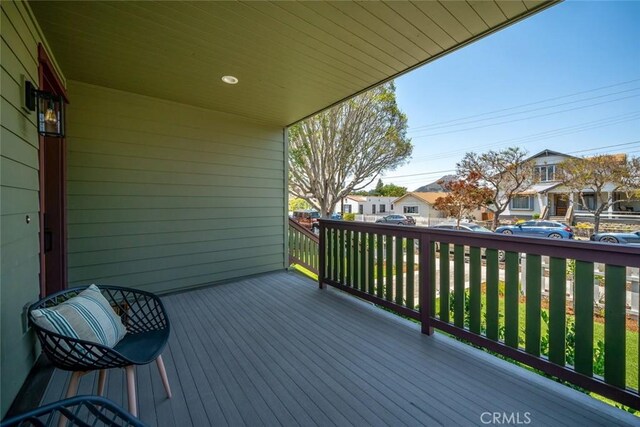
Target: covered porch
276,350
168,180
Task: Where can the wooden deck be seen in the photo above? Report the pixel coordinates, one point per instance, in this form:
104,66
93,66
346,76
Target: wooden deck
276,350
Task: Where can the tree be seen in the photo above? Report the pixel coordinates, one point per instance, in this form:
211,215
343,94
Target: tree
387,190
505,173
297,204
379,188
392,190
602,176
464,196
345,148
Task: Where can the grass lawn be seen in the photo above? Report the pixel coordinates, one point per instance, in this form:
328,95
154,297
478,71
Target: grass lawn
598,335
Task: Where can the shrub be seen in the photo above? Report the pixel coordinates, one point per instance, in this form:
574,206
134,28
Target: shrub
349,216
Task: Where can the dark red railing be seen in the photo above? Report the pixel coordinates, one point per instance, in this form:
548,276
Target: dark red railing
303,247
531,299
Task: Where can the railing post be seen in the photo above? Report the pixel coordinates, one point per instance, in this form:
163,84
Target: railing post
425,283
322,268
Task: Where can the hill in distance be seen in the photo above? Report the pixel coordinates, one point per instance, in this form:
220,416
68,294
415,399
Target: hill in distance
434,186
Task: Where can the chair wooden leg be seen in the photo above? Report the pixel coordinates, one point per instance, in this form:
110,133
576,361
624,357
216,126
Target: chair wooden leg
102,378
72,390
163,375
73,383
131,389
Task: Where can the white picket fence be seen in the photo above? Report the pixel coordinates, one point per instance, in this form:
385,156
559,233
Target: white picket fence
420,221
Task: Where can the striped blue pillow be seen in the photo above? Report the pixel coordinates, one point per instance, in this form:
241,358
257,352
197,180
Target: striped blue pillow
87,316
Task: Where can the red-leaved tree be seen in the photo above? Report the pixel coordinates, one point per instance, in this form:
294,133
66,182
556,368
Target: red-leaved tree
464,196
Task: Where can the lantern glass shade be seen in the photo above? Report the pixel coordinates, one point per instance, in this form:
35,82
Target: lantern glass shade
50,111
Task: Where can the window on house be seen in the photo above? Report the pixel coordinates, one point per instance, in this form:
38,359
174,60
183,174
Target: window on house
383,209
410,209
360,209
347,208
590,200
545,173
522,202
373,209
392,206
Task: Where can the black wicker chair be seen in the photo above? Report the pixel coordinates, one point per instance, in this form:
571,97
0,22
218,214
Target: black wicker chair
147,324
84,411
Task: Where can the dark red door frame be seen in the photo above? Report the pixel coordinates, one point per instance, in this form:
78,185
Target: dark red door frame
50,82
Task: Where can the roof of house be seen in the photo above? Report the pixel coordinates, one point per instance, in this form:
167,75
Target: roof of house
539,188
545,153
356,198
618,157
429,198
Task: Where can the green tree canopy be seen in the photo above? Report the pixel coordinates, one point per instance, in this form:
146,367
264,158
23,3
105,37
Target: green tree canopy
392,190
296,204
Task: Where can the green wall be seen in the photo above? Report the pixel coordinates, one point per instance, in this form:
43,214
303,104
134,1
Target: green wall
161,196
164,196
19,244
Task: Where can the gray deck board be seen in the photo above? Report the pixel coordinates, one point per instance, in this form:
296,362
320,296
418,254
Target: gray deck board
275,350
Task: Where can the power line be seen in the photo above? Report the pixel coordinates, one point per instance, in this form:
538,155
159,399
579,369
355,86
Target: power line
606,146
420,174
541,136
526,105
524,118
531,110
453,170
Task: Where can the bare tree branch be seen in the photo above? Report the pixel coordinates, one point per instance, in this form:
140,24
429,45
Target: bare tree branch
506,173
347,147
602,176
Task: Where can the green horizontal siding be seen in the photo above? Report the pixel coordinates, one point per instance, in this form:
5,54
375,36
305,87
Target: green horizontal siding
164,196
177,178
14,147
106,243
92,216
19,197
121,161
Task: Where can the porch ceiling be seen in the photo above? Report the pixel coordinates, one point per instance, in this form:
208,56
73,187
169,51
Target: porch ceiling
292,59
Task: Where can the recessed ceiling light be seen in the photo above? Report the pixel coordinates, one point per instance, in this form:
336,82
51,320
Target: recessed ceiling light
229,80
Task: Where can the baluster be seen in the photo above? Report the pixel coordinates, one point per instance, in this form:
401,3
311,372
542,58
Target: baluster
475,291
511,299
458,285
615,331
557,310
533,304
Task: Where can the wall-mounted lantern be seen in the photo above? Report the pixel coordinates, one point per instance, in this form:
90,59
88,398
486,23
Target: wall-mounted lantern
49,110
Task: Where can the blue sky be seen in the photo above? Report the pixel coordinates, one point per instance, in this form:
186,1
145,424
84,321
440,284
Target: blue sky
567,79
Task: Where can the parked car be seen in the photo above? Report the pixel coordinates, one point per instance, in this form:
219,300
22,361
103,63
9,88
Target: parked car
464,226
397,219
308,218
629,238
467,226
537,228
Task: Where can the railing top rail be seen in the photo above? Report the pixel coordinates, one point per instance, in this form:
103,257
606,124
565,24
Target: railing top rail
613,254
301,229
